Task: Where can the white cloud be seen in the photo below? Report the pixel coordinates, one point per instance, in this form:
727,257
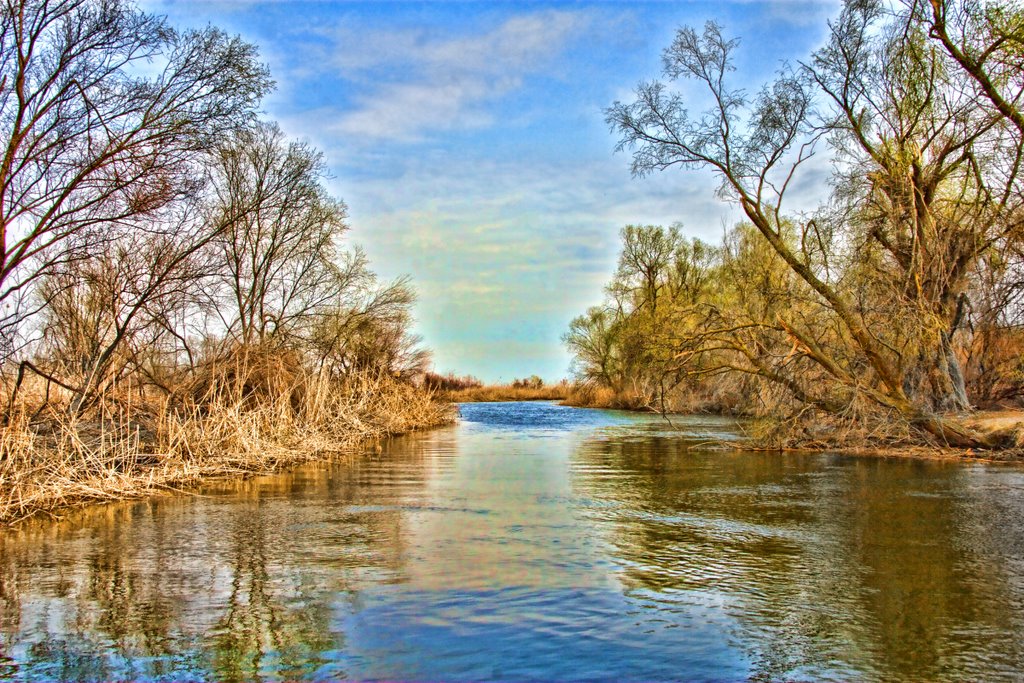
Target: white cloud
504,248
404,111
415,82
520,44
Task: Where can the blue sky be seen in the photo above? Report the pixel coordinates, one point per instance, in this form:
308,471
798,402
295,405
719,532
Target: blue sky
468,140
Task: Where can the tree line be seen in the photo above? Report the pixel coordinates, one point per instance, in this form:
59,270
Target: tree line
152,226
894,307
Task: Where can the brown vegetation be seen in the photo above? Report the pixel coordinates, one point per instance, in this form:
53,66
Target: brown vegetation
273,417
712,399
450,382
177,301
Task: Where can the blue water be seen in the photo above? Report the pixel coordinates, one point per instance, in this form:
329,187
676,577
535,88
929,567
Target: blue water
539,416
536,542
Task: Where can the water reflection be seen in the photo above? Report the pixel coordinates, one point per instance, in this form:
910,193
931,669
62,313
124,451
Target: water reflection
832,567
241,583
534,542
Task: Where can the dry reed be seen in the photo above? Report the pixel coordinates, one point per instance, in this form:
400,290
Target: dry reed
134,450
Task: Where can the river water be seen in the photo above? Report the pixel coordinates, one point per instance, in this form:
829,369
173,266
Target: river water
536,542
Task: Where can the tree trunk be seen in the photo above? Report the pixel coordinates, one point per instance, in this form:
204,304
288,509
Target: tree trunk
952,433
954,398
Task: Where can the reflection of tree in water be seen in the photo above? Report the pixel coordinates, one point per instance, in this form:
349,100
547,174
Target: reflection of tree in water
829,567
91,609
136,605
237,588
10,616
938,602
260,632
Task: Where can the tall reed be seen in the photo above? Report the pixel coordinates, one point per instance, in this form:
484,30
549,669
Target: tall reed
54,460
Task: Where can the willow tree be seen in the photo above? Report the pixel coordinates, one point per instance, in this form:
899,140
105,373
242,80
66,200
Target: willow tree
629,344
592,341
987,41
928,182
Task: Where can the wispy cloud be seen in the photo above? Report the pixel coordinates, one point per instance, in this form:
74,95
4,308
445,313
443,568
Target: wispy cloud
512,229
406,111
416,81
514,249
516,44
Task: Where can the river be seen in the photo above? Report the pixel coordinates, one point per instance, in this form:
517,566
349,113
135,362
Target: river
536,542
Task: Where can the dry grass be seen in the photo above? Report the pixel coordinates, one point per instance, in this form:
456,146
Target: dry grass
55,462
508,392
591,396
1008,424
719,398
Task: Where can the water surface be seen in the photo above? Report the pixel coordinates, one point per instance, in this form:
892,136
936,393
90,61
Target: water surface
536,542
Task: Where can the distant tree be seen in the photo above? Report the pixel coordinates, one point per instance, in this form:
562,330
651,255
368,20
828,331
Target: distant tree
450,382
646,256
591,340
531,382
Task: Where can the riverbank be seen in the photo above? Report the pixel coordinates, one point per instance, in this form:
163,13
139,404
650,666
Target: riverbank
47,466
721,402
1008,424
1004,427
849,568
55,463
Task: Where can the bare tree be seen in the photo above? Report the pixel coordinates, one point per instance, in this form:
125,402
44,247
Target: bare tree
103,109
106,318
367,328
279,246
